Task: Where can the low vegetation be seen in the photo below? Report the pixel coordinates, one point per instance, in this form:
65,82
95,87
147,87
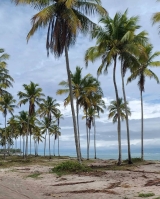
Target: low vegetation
146,195
70,167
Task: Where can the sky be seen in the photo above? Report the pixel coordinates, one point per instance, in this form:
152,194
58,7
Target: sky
29,62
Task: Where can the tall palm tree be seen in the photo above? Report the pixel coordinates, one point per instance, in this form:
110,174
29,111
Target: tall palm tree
33,95
79,87
7,104
64,19
46,127
85,100
112,41
141,72
58,116
113,110
22,120
99,106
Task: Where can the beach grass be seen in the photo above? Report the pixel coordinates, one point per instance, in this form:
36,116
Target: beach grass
146,195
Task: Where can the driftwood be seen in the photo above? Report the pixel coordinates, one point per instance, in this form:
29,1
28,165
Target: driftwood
114,185
72,183
155,182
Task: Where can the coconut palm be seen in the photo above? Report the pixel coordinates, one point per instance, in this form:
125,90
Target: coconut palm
58,116
85,100
99,106
5,79
22,120
113,110
141,72
64,19
48,108
3,58
33,95
7,104
112,42
46,127
79,86
56,132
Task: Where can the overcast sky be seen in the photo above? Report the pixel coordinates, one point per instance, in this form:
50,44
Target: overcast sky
29,62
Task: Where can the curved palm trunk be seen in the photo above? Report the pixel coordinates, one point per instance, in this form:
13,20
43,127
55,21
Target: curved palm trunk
142,153
127,123
119,122
72,105
95,153
78,128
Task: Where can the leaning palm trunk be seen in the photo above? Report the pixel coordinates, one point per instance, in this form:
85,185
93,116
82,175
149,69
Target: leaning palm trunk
119,123
72,105
78,128
127,123
95,155
142,153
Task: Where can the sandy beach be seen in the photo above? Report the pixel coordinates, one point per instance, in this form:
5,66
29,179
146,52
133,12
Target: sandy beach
15,182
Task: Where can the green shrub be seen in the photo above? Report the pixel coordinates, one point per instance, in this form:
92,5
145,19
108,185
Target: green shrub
146,195
69,167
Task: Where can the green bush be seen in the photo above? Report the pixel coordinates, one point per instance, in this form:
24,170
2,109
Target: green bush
70,166
146,195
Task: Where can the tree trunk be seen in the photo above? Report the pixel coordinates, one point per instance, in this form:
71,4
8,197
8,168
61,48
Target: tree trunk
72,105
78,128
119,122
5,140
45,145
127,122
87,138
49,146
27,133
20,146
142,153
95,153
54,145
30,143
58,146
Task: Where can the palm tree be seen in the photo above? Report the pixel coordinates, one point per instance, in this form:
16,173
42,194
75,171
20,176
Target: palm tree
79,86
112,42
142,71
7,104
22,120
3,58
58,117
48,108
46,126
33,94
64,19
57,133
85,100
113,110
5,79
99,106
